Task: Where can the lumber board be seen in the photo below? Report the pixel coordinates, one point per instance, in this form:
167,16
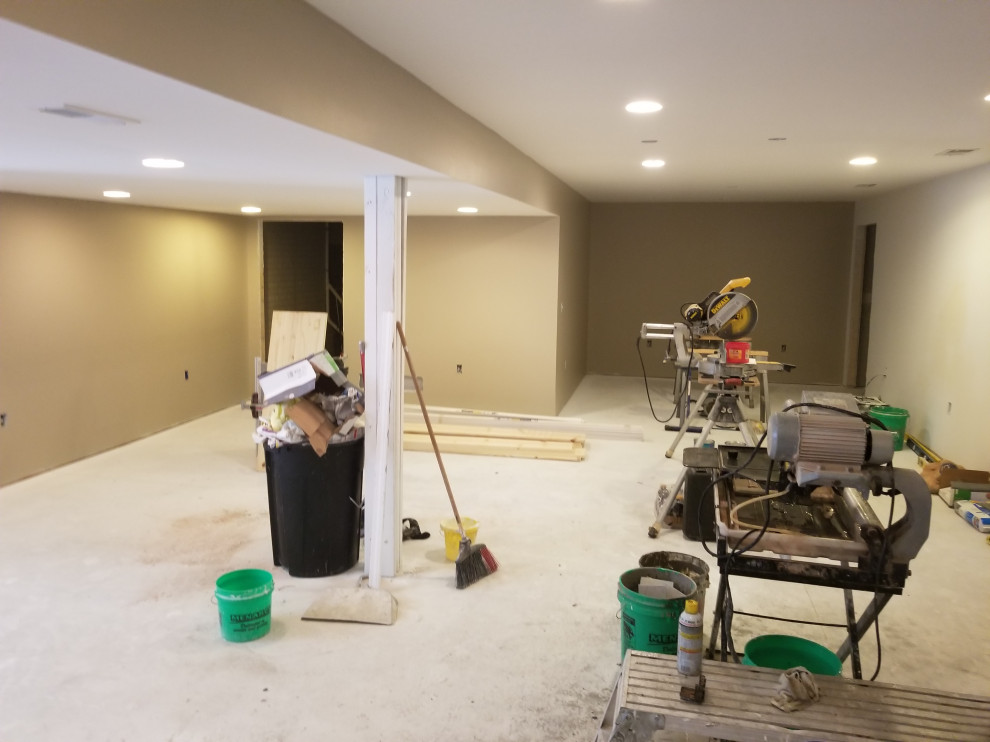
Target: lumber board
449,416
471,431
510,447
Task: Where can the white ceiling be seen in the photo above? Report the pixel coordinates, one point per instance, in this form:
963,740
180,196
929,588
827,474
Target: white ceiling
902,80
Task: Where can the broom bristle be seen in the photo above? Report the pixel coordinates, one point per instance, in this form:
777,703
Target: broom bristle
473,563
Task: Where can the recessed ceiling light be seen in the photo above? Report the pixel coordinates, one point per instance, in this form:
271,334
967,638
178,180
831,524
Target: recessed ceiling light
408,194
862,161
643,106
162,162
653,163
116,194
467,210
250,209
986,98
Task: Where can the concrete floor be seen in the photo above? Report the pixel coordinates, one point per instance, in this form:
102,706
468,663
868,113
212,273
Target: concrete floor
110,632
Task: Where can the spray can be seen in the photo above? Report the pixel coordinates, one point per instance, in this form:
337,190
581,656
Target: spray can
689,645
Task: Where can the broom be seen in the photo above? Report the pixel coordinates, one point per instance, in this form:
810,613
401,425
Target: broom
474,561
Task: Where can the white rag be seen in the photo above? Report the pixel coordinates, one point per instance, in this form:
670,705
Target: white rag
795,689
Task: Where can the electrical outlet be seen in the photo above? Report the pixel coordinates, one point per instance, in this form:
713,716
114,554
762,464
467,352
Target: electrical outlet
3,419
460,369
948,408
649,343
783,348
187,376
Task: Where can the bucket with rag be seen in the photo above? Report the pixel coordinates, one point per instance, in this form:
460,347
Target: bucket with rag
649,623
244,599
692,566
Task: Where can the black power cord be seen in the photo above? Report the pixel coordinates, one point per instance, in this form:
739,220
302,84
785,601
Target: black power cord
646,384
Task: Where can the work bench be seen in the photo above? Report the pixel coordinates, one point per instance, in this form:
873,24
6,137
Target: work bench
646,698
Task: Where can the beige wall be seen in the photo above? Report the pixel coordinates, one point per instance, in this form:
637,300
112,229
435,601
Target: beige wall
104,307
572,303
284,57
480,293
648,259
928,335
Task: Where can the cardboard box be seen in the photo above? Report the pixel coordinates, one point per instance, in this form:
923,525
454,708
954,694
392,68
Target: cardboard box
959,478
299,378
951,495
289,382
963,484
975,513
314,423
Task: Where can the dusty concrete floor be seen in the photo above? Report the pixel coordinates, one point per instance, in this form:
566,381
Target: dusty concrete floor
110,632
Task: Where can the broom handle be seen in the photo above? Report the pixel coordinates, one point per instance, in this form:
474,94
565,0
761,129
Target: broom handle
429,427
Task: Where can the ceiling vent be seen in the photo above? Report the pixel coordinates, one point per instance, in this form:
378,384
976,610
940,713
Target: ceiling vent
70,111
955,152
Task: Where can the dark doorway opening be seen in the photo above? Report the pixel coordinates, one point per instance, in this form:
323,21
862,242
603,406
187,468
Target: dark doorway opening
866,304
304,272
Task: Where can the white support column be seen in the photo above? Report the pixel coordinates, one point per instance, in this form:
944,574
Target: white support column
384,295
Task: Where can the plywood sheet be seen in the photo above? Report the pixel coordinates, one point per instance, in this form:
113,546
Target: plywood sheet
295,335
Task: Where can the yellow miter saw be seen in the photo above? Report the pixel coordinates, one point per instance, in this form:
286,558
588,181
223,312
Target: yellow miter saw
727,314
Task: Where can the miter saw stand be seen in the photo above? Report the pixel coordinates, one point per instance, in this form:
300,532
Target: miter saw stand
724,387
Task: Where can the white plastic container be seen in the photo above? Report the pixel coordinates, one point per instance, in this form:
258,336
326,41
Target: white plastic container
689,644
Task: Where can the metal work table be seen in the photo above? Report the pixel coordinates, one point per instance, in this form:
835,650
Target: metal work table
646,698
852,564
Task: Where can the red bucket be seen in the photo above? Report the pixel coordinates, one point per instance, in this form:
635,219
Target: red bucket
736,352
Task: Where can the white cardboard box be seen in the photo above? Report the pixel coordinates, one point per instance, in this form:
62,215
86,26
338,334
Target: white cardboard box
977,514
295,380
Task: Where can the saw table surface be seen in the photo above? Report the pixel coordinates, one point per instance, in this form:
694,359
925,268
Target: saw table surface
737,707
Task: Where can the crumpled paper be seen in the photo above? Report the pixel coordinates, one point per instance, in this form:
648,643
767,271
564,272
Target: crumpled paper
796,689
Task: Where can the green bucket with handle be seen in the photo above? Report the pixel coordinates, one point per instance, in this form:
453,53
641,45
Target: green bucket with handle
650,624
244,599
895,420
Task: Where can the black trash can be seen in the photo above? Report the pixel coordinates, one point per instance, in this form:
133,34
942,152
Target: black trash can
314,504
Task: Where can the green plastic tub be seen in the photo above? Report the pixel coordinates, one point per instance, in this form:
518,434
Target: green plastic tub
783,652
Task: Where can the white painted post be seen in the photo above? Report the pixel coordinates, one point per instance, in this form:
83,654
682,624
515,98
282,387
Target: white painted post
384,294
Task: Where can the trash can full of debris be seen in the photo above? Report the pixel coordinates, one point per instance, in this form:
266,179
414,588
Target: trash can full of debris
314,504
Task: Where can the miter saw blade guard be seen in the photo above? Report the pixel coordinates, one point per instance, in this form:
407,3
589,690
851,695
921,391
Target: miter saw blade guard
731,316
727,314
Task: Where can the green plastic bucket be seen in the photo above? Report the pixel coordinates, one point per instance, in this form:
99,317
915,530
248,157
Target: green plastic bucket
782,652
895,419
244,598
650,624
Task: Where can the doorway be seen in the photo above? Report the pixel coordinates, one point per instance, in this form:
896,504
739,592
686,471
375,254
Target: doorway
303,271
866,304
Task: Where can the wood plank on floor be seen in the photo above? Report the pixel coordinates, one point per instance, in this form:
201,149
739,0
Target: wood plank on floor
524,444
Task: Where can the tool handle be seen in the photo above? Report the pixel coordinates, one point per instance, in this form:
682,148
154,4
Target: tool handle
735,283
429,427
